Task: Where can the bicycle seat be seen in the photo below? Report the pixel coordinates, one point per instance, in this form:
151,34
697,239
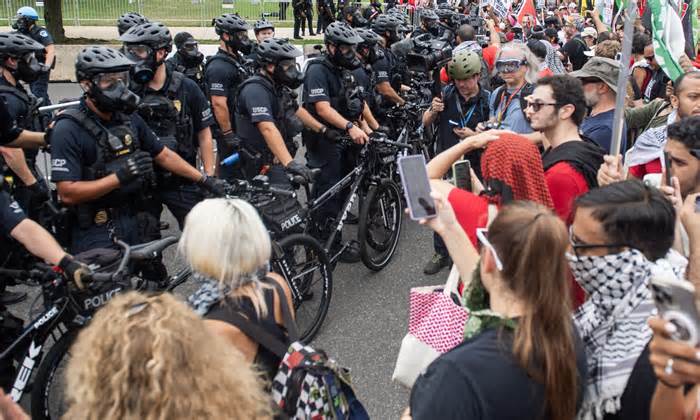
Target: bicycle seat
152,249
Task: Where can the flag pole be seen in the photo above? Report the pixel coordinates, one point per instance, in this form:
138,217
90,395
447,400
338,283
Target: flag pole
619,116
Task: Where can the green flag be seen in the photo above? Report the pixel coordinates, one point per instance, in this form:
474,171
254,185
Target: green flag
667,36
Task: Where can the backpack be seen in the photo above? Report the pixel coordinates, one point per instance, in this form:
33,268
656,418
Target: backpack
308,384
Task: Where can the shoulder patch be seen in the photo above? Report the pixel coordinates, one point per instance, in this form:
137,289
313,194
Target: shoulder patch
44,33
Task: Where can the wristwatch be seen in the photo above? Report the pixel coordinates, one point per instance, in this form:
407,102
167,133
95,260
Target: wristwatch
349,125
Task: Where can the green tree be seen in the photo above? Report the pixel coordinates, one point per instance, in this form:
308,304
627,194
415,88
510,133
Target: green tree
53,16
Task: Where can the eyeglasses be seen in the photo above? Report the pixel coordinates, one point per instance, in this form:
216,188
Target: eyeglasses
536,106
509,66
577,244
481,236
138,52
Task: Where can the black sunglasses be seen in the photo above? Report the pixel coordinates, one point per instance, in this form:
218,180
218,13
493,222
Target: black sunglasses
536,106
577,244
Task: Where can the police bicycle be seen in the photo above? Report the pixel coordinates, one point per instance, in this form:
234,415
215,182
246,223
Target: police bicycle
297,257
68,307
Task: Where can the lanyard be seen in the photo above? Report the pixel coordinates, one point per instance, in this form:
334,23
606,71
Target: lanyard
504,109
464,121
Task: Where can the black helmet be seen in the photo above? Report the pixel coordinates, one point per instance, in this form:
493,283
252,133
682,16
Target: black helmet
385,23
445,6
14,44
153,34
97,59
428,14
180,39
229,23
273,50
341,33
443,14
262,24
128,20
369,38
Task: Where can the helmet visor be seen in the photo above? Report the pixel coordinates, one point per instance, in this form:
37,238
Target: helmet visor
191,46
138,52
107,81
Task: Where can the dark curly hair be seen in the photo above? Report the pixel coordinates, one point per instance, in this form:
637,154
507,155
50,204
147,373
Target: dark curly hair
639,42
567,90
687,131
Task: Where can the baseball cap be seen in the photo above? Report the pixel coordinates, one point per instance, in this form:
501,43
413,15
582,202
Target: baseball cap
588,31
604,69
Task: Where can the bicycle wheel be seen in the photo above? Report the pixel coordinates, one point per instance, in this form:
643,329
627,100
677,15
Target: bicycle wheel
380,225
48,398
309,276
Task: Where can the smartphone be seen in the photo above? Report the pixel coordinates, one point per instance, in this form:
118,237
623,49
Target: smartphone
675,300
416,187
461,173
667,169
697,204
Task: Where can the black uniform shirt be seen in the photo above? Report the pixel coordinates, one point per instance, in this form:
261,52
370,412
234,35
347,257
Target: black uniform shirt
223,78
320,84
73,148
10,214
194,73
255,104
42,36
384,68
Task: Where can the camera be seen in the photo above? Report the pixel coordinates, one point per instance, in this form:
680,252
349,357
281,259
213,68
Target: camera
490,125
428,54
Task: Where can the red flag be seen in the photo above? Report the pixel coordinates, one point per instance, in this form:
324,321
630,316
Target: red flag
527,7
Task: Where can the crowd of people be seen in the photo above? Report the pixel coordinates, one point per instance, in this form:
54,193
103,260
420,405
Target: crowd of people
557,243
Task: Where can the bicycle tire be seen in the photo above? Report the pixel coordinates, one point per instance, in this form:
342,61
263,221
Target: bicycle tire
312,249
368,242
45,376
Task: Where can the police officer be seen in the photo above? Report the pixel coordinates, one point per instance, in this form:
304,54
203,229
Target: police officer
462,106
369,53
103,154
18,63
129,19
428,24
331,94
352,15
25,23
224,72
263,29
268,117
188,60
175,109
386,68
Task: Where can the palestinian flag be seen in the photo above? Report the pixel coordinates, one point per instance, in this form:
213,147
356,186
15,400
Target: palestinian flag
526,7
667,36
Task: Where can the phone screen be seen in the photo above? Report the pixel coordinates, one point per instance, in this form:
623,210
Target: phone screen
462,175
414,178
667,169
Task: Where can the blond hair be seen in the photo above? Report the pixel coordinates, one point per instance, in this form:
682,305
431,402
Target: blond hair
151,357
226,240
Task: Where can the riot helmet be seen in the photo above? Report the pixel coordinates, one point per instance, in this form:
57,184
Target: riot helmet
430,19
368,47
23,49
262,24
25,18
345,40
141,43
188,49
283,55
237,30
107,70
129,20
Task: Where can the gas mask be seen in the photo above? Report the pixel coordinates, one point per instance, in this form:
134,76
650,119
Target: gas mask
190,53
358,21
394,37
239,41
371,54
28,68
110,93
22,23
346,60
287,73
432,27
145,62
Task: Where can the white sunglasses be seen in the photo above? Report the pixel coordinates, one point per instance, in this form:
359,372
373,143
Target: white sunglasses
481,236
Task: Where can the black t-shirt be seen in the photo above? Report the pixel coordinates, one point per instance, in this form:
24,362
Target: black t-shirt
194,73
8,126
480,379
256,103
73,148
15,106
11,213
574,50
636,399
223,77
320,84
385,67
42,36
194,104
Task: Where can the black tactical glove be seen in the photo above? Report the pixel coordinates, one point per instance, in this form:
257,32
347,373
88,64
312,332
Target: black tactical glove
214,186
44,68
75,271
382,129
331,134
230,142
296,168
39,189
137,165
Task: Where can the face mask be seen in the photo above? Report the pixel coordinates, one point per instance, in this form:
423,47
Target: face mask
145,58
358,21
348,60
372,54
292,77
21,24
433,28
192,60
28,69
118,98
239,41
594,273
394,36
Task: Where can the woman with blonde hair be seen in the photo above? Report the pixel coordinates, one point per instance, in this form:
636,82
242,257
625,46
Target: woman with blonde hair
142,357
226,243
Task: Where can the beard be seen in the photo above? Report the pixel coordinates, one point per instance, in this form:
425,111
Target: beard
592,99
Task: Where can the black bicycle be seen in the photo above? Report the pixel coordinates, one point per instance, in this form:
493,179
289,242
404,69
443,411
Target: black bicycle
297,257
67,309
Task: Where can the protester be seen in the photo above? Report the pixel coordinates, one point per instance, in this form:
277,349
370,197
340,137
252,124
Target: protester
522,266
556,108
618,233
574,48
227,245
656,85
151,350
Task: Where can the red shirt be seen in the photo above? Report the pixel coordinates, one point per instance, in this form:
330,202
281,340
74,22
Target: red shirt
471,210
489,55
653,167
565,184
546,72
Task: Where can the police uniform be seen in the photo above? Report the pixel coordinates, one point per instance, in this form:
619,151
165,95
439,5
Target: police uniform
176,113
194,73
11,214
384,70
326,82
258,101
40,87
90,150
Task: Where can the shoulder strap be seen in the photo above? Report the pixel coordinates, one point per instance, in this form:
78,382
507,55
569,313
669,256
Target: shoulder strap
16,92
83,120
176,79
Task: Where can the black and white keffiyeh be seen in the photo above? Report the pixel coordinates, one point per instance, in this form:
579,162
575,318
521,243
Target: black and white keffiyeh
613,321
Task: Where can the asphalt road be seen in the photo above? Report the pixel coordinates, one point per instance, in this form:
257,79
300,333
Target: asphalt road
368,314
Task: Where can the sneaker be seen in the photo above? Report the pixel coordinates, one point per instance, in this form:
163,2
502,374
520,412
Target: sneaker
437,263
10,298
351,255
